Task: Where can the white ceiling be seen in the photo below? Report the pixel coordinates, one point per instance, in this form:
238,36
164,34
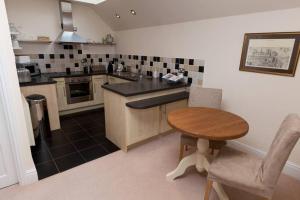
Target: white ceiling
160,12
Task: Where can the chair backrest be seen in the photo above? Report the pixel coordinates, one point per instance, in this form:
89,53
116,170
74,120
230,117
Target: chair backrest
205,97
278,154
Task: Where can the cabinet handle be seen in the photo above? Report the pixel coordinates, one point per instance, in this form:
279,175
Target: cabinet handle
64,89
164,109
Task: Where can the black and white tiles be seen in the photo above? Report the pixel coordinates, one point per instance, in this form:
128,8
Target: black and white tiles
81,139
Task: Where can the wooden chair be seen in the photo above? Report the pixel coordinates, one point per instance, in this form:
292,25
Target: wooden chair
252,174
200,97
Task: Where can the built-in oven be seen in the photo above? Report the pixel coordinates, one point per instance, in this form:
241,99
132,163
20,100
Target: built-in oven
79,89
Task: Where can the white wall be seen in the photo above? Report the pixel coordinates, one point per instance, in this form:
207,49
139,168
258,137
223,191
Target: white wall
263,100
42,18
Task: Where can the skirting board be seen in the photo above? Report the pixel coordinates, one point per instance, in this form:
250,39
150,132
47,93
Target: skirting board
290,168
67,112
29,177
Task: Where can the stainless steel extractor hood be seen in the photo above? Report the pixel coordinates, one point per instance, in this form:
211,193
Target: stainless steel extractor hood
68,34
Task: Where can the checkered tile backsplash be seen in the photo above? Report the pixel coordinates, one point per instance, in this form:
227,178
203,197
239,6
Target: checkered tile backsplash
71,57
194,68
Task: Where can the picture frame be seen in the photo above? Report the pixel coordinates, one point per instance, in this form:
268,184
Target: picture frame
271,53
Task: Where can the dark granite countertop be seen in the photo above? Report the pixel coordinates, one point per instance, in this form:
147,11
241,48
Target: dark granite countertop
135,87
47,78
39,80
157,101
124,75
143,86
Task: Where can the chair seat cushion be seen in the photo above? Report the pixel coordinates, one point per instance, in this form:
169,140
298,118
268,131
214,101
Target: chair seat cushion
239,170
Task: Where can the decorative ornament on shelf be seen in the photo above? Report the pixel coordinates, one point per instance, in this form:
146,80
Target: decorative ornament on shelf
108,39
14,36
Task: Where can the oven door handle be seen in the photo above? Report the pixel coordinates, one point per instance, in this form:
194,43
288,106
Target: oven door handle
78,83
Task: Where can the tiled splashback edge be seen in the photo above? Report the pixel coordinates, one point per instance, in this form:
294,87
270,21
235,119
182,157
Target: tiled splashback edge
71,58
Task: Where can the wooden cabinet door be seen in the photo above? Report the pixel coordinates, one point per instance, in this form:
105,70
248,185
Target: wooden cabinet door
165,110
61,94
98,90
142,124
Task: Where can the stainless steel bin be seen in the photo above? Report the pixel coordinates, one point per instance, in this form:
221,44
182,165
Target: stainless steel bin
36,106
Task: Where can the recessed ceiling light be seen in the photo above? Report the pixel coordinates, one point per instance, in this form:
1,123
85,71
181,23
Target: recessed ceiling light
91,1
117,16
133,12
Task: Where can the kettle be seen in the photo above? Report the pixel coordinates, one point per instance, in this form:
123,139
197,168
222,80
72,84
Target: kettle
24,75
110,68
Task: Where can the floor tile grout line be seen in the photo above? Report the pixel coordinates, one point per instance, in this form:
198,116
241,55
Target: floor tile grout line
48,149
53,159
91,137
77,150
84,129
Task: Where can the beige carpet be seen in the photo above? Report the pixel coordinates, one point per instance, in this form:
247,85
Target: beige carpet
136,175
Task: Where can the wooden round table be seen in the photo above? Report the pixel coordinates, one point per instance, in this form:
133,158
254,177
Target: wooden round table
205,124
208,123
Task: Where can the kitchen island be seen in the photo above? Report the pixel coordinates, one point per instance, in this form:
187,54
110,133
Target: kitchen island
137,111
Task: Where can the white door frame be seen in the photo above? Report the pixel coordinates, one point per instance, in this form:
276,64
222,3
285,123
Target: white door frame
12,103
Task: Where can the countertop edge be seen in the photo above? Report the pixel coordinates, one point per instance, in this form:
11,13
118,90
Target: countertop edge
37,84
161,100
52,77
143,92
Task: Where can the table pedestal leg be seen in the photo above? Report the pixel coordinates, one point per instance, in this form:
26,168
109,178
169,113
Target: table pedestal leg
183,165
198,159
202,151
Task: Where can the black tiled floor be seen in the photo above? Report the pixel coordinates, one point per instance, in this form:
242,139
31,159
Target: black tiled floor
84,144
95,131
62,150
41,156
69,161
78,136
56,139
46,169
108,145
93,153
81,139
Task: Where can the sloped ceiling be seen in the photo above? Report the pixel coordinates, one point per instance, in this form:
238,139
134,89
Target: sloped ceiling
161,12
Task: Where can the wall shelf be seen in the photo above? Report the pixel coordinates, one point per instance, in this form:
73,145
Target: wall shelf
49,42
99,43
35,41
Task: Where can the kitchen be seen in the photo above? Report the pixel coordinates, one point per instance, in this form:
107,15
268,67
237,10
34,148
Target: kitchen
103,83
76,76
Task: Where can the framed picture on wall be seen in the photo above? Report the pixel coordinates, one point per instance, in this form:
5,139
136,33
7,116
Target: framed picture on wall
271,53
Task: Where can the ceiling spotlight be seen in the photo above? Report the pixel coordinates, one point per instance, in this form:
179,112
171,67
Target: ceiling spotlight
133,12
117,16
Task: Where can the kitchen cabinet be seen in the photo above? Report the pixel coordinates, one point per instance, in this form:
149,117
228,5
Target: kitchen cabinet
143,124
61,93
165,110
49,91
146,123
127,127
98,81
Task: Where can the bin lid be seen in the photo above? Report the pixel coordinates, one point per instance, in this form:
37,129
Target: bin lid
35,98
